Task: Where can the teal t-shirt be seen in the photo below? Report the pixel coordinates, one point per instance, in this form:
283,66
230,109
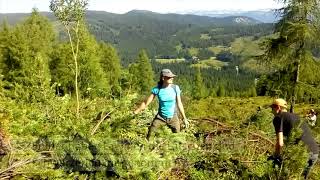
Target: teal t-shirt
167,99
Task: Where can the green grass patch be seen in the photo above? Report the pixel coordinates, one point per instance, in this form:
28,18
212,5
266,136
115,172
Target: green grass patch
179,47
218,49
205,36
200,65
214,62
245,46
217,29
210,63
165,61
193,51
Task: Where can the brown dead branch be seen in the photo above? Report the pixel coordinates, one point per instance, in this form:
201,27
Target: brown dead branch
100,121
159,145
252,161
215,121
9,172
253,140
5,177
261,137
228,127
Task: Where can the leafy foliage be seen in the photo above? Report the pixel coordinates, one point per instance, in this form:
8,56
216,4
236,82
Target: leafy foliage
111,65
26,50
92,78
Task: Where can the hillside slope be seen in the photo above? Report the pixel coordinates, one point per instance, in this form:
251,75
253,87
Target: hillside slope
158,33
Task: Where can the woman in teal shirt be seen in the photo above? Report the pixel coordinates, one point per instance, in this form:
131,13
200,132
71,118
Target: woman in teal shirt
169,100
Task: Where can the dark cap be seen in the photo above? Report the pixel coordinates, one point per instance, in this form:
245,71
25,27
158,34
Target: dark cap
167,73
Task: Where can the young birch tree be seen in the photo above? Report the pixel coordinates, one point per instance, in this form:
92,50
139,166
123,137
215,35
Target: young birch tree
70,13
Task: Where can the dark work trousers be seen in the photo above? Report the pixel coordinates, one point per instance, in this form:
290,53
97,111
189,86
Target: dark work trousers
312,160
158,121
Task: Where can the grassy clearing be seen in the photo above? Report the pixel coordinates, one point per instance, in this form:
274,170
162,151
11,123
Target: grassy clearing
246,46
217,29
213,62
193,51
210,63
254,65
205,36
165,61
218,49
200,66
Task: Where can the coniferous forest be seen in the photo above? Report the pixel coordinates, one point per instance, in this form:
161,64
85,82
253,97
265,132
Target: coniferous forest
70,80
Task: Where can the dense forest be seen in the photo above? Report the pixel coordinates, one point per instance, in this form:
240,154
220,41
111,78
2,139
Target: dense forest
70,80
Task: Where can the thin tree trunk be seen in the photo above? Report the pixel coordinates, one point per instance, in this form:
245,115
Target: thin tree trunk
295,88
299,55
77,68
75,55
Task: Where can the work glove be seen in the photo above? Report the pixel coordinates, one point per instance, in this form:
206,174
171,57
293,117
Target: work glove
276,160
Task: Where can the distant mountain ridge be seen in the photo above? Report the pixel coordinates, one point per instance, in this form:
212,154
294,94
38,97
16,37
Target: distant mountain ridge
263,15
197,19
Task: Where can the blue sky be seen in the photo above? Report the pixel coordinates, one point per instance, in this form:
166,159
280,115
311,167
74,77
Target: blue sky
161,6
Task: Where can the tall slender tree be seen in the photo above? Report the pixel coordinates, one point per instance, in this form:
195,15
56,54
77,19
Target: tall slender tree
92,81
70,13
111,65
144,72
296,28
199,87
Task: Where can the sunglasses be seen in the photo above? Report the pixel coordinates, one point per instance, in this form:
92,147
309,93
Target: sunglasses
168,77
273,106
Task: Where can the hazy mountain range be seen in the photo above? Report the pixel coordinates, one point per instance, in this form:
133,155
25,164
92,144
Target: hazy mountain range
196,18
264,15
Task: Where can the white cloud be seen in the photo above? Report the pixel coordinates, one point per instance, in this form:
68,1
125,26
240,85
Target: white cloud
122,6
13,6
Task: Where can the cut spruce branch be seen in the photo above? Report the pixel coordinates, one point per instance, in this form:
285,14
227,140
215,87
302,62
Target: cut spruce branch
260,136
252,161
226,127
215,121
100,121
9,172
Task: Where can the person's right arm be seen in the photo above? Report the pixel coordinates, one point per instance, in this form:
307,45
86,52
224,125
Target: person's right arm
144,104
278,127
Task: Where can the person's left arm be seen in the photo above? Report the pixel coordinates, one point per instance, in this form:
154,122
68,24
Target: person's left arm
181,109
